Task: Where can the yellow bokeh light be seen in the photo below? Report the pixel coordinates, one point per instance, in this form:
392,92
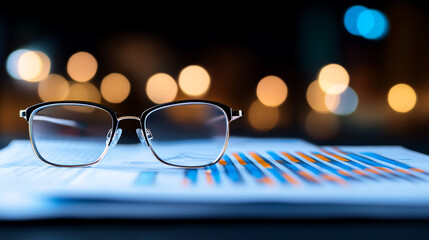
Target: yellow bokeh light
82,66
333,79
53,88
29,66
321,126
161,88
316,98
271,91
84,92
263,118
402,98
115,88
194,80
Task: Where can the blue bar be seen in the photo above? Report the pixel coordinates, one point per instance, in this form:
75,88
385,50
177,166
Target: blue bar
215,173
251,167
388,160
289,166
145,178
231,170
191,174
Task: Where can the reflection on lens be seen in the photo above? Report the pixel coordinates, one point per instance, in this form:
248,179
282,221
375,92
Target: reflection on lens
196,137
70,135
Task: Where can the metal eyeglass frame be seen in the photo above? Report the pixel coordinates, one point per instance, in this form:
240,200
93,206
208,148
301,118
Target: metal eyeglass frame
30,112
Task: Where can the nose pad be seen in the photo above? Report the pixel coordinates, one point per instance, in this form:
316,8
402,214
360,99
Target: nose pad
141,137
116,137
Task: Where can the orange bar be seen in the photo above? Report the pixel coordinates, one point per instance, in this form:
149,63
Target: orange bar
332,178
241,161
372,170
306,157
385,169
335,156
402,171
209,177
343,172
359,172
417,170
307,176
322,157
290,157
222,162
260,160
290,179
266,180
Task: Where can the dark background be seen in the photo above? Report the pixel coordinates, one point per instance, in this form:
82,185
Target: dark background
238,43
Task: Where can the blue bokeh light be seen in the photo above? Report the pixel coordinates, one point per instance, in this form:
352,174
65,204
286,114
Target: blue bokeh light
351,17
368,23
372,24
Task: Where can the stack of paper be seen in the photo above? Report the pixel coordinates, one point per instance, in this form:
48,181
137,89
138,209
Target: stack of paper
255,178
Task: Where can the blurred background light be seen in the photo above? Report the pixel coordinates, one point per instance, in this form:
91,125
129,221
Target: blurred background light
194,80
333,79
316,97
351,18
161,88
54,88
342,104
12,63
115,88
82,66
402,98
372,24
29,66
321,126
271,91
84,92
261,117
32,66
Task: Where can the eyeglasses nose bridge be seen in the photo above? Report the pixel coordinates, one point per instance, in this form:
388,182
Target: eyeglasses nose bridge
128,118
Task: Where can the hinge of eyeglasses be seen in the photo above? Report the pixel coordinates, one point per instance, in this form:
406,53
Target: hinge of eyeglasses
22,113
236,114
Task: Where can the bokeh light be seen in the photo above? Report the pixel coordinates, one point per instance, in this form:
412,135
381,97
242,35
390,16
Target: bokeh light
351,17
342,104
53,88
402,98
263,118
321,126
333,79
161,88
316,97
115,88
372,24
271,91
32,66
84,92
12,63
194,80
82,66
29,66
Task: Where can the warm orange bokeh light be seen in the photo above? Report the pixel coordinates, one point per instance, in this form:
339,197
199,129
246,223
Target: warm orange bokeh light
271,91
316,98
194,80
402,98
53,88
82,66
333,79
161,88
84,92
115,88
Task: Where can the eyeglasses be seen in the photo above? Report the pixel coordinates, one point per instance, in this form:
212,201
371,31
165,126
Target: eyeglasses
189,133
